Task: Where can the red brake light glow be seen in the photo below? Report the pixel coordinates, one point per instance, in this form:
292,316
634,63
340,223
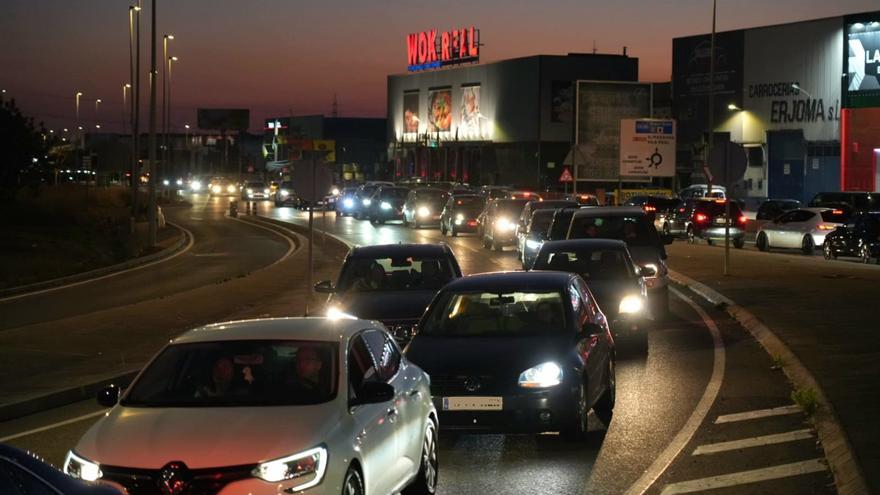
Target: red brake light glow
649,208
742,219
700,217
837,212
825,226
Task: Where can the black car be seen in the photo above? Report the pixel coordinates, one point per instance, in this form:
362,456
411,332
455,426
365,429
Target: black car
659,208
345,201
387,204
22,473
533,236
423,206
460,214
391,283
706,219
364,197
558,229
859,237
526,216
613,277
286,195
772,208
517,352
497,223
583,199
850,202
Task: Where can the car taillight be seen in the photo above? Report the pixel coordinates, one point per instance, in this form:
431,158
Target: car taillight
650,209
825,226
837,212
700,217
742,219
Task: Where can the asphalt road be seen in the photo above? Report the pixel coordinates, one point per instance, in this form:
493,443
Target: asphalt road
699,367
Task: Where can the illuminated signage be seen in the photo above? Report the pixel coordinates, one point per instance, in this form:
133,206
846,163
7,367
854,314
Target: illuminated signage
430,49
863,64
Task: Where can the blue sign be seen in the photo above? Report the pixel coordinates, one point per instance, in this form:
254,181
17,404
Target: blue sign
654,127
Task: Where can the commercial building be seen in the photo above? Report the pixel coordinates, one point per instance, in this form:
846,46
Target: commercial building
803,99
505,122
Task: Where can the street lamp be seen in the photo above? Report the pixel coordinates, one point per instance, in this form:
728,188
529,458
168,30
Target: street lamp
97,102
171,60
125,88
165,39
732,107
78,95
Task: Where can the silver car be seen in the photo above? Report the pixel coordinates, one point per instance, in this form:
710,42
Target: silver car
288,405
804,229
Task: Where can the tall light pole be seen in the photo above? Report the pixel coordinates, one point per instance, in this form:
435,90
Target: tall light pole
152,214
97,121
169,156
125,88
134,32
165,39
78,96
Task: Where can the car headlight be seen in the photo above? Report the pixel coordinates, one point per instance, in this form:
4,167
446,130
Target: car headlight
335,191
631,304
533,244
165,182
179,182
367,201
348,202
230,188
250,191
424,211
195,185
81,468
285,193
385,205
544,375
504,225
265,191
312,463
216,189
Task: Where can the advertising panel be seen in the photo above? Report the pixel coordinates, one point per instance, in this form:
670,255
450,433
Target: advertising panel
647,148
411,113
440,110
863,62
470,121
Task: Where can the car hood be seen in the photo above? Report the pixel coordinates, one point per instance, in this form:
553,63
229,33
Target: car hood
203,437
491,356
389,305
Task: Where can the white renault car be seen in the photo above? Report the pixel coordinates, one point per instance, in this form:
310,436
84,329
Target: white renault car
803,228
288,405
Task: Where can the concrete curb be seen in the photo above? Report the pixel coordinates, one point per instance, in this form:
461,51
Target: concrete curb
99,272
848,476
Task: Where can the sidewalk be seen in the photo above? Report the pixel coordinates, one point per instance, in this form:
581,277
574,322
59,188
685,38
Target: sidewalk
41,359
824,312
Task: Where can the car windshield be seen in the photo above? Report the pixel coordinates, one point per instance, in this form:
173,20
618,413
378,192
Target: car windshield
835,216
559,226
496,314
592,264
396,193
238,373
395,274
287,185
634,230
511,206
541,220
256,185
718,208
664,204
468,203
431,195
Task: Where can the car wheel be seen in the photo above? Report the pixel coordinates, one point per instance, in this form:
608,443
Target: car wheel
761,242
353,483
416,224
496,246
865,254
426,481
577,431
374,222
604,407
828,251
739,242
486,242
666,228
709,241
807,246
691,238
277,203
442,228
453,232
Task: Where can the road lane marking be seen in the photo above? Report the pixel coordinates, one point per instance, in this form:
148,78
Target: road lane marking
54,425
681,439
745,477
291,246
102,277
745,443
757,414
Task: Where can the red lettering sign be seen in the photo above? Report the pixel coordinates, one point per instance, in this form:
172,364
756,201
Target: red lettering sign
425,50
412,48
432,45
472,48
444,47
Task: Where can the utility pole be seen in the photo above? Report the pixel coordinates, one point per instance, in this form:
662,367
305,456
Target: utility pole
135,112
708,149
152,214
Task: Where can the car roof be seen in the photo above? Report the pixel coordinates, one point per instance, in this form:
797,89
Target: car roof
604,211
510,281
392,250
584,244
305,328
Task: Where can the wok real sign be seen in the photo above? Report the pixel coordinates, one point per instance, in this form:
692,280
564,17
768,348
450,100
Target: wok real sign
647,148
430,49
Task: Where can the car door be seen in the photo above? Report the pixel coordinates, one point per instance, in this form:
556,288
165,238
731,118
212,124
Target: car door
802,224
777,230
852,237
590,348
375,436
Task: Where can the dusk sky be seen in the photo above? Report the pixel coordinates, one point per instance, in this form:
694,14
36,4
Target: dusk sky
280,56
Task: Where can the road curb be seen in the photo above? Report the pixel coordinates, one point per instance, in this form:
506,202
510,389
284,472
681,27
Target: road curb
299,229
848,476
65,396
23,290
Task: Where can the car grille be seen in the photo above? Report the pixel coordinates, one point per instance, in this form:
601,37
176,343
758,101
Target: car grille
206,481
463,384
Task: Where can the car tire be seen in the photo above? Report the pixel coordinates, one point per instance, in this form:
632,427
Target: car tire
739,242
496,246
577,430
709,241
666,228
761,242
442,228
691,238
374,222
604,407
807,246
429,469
277,203
453,232
828,251
353,483
416,224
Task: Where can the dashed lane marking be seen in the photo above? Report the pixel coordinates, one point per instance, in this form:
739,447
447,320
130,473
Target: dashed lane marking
760,413
746,477
745,443
53,426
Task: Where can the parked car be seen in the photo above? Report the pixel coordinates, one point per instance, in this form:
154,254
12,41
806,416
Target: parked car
391,283
633,226
255,190
860,237
517,352
614,279
803,229
364,197
423,206
363,414
705,219
533,235
702,191
387,204
497,223
345,201
849,202
526,215
773,208
286,195
460,214
657,207
23,473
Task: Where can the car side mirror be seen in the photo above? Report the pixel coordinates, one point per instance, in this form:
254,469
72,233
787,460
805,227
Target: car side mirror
109,396
667,239
325,286
591,329
373,393
647,271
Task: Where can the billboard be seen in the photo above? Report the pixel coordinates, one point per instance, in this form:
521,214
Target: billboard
863,61
647,148
470,120
430,49
440,110
224,119
411,112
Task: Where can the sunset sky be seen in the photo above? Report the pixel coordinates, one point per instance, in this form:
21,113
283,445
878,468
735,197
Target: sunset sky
280,56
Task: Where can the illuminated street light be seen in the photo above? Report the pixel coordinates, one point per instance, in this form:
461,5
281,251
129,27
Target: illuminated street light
732,107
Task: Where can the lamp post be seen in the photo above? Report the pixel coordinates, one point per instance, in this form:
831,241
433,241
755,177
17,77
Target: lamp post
78,96
134,49
97,121
125,88
165,39
170,61
152,214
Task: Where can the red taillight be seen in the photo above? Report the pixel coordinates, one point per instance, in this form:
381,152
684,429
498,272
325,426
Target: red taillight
825,226
742,219
472,223
650,209
700,217
837,212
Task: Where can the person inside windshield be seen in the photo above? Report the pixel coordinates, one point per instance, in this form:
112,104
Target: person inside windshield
373,279
431,276
629,231
591,230
545,313
221,378
308,371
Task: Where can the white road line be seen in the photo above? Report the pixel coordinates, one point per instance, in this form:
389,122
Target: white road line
699,413
760,413
291,246
791,436
88,281
54,425
745,477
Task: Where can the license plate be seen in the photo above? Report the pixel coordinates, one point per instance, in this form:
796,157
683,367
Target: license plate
721,221
472,403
